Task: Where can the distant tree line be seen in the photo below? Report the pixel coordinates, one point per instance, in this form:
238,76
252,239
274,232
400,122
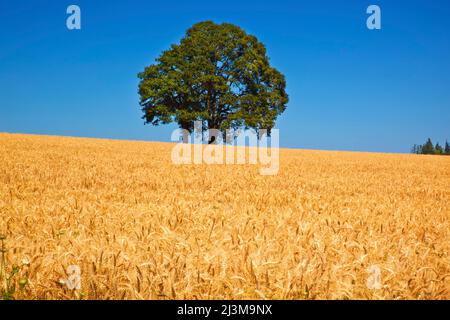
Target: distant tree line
430,148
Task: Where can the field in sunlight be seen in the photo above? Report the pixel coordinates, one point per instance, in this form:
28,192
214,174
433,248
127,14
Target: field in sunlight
330,225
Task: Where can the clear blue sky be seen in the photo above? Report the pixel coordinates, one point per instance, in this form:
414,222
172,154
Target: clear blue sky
350,88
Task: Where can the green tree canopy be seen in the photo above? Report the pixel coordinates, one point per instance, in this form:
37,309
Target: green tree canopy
218,74
428,147
447,148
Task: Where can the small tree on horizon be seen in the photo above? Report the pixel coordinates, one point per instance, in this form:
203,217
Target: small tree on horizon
428,147
438,149
416,149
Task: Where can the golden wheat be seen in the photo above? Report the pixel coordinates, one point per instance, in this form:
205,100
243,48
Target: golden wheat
140,227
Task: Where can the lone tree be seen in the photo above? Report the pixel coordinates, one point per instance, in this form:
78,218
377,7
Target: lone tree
217,74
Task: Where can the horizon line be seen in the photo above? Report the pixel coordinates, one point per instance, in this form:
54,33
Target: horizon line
172,142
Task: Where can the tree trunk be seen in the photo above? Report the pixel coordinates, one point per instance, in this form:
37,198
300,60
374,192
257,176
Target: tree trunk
212,140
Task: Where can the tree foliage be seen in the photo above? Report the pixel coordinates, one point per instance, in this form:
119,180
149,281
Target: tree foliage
429,148
447,148
217,74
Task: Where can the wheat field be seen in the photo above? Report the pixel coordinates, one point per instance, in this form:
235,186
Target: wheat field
140,227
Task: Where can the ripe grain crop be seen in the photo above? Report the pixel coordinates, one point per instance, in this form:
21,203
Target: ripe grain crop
140,227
